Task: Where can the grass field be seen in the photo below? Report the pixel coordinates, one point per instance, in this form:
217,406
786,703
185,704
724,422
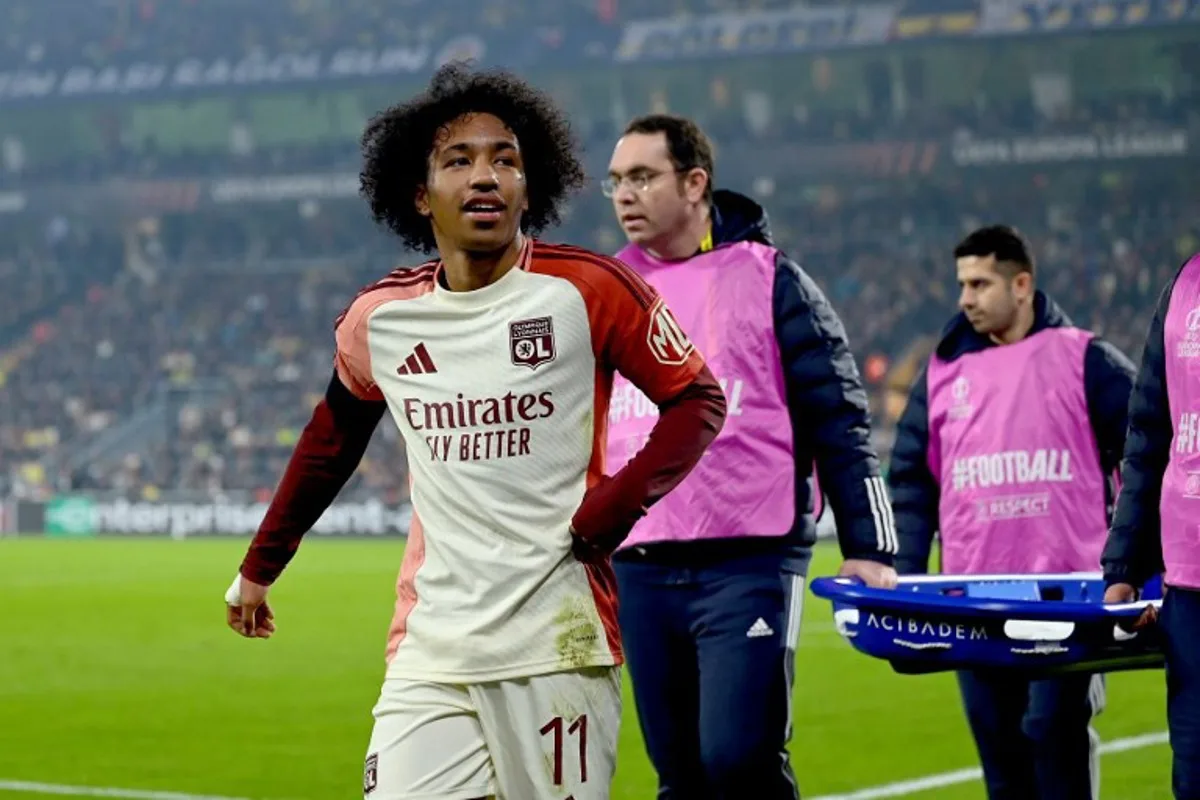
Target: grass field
116,670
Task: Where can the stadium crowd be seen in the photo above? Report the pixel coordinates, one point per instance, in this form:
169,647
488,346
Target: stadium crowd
109,31
791,122
122,31
196,318
221,319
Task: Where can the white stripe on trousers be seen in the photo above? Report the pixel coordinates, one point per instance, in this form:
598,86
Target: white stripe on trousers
881,510
794,589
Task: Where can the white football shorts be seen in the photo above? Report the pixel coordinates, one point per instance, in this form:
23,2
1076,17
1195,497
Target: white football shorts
548,737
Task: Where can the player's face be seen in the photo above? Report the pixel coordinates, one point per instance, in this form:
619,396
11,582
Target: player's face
475,194
651,198
988,298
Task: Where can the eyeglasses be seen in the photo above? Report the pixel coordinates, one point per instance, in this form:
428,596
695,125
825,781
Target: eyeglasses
638,181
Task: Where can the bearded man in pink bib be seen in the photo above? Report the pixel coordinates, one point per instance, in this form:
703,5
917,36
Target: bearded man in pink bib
1008,451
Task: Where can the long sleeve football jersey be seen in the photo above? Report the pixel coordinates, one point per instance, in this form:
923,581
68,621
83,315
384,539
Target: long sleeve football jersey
501,395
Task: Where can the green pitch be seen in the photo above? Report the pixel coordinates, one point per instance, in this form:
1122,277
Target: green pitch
116,670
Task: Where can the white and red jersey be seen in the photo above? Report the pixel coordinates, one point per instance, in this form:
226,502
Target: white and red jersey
502,394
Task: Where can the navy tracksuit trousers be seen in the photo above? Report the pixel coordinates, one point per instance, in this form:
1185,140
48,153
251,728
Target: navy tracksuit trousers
1180,621
1050,719
1034,737
710,648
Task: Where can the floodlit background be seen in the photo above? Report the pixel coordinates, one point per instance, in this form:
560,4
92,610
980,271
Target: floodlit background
179,226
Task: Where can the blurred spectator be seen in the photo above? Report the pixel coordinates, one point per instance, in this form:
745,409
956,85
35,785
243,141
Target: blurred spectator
186,350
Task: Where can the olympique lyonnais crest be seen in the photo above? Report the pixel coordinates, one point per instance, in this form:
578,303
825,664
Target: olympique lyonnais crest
531,342
371,774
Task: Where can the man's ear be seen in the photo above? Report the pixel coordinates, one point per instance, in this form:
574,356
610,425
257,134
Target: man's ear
421,201
695,183
1023,284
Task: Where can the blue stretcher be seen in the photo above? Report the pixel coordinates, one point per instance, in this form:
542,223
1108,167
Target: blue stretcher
1037,624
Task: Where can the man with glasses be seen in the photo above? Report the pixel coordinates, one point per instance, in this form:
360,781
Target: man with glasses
711,580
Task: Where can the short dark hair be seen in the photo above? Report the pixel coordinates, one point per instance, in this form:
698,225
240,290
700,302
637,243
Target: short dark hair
687,145
398,141
1013,253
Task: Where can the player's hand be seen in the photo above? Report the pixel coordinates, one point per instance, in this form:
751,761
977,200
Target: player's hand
246,609
588,552
1126,593
600,523
872,573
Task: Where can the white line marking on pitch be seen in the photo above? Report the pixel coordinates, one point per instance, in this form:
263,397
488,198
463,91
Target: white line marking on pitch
905,788
102,791
898,789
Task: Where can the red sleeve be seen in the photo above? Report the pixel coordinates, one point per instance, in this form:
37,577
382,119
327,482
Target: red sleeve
686,426
327,454
643,341
335,439
635,334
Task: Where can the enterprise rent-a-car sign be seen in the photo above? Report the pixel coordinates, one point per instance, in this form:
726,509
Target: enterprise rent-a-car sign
80,515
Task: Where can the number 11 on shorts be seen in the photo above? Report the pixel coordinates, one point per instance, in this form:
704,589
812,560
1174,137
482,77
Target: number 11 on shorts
576,730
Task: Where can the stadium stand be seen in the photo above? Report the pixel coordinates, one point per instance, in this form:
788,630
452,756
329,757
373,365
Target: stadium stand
178,342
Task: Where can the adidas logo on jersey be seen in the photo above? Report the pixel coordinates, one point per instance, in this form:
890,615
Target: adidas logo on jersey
417,363
758,629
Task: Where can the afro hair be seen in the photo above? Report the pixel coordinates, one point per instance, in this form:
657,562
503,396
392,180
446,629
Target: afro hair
398,141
